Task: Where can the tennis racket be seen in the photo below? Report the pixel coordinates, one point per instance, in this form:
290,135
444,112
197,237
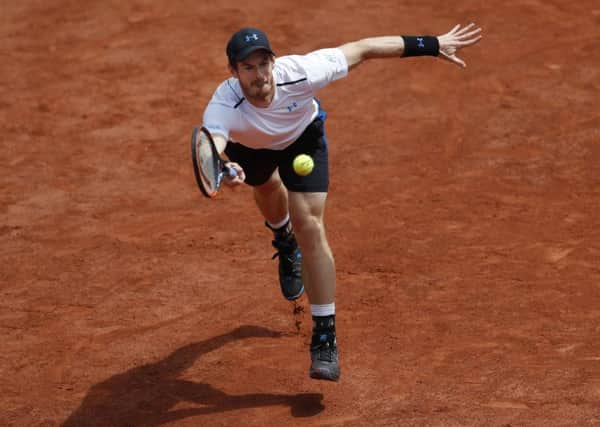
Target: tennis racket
209,168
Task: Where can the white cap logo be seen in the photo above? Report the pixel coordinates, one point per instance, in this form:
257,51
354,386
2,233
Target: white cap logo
251,37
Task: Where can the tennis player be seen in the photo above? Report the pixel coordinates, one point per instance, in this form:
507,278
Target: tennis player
266,114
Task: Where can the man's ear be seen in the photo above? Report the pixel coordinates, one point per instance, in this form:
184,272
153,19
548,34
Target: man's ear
233,72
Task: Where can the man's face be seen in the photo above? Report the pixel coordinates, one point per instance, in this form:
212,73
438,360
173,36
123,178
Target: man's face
255,74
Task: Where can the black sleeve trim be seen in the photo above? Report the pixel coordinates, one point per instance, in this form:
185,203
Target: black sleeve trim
292,83
240,98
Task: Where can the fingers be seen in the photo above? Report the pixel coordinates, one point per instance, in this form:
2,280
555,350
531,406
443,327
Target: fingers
467,42
458,61
458,33
240,176
456,27
454,59
458,38
465,36
461,37
464,33
232,182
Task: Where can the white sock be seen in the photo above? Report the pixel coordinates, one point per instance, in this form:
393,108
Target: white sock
322,310
280,223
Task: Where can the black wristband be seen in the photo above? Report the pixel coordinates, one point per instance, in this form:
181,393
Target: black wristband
421,45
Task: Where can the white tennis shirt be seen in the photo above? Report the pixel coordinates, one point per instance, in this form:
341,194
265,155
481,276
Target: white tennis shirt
297,78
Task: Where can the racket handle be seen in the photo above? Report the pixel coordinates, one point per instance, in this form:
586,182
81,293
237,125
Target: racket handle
230,172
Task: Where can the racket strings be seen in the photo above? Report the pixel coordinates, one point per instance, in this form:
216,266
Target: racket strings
209,165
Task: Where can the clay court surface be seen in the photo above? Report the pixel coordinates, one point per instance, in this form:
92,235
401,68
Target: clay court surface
463,214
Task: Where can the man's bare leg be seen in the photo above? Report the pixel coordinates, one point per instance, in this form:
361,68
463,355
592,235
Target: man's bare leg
318,273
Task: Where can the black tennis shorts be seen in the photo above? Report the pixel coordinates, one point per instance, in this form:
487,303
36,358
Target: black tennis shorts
260,164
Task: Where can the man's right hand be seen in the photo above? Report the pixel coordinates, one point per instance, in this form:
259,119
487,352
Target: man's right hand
240,175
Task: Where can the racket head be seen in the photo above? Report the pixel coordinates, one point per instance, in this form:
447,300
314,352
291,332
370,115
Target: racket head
207,163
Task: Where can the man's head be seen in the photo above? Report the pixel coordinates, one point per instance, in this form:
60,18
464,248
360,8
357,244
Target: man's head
244,42
251,62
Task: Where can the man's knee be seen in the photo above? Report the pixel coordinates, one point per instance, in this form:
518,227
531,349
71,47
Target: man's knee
306,210
309,231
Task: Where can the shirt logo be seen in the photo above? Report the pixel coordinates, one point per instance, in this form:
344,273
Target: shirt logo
420,42
292,107
331,58
251,37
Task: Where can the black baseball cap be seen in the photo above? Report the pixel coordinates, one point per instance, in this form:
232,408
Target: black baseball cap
246,41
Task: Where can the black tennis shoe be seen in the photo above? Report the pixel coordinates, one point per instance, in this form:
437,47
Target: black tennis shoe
324,358
290,266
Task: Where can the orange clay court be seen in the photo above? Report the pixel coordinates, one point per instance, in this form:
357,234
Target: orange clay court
463,214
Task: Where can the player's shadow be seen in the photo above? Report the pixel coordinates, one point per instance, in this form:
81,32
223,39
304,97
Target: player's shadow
145,396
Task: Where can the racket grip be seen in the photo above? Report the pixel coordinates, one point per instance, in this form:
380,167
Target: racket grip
230,172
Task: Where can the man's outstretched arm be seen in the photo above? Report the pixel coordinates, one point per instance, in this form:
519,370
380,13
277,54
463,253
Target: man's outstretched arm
445,46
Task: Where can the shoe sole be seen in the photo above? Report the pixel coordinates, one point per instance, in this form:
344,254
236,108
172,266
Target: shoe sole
317,374
295,297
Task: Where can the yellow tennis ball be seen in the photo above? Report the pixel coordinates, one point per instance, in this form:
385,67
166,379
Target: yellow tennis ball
303,164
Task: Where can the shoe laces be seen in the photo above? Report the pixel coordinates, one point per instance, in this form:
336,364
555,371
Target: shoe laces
325,348
286,252
285,247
